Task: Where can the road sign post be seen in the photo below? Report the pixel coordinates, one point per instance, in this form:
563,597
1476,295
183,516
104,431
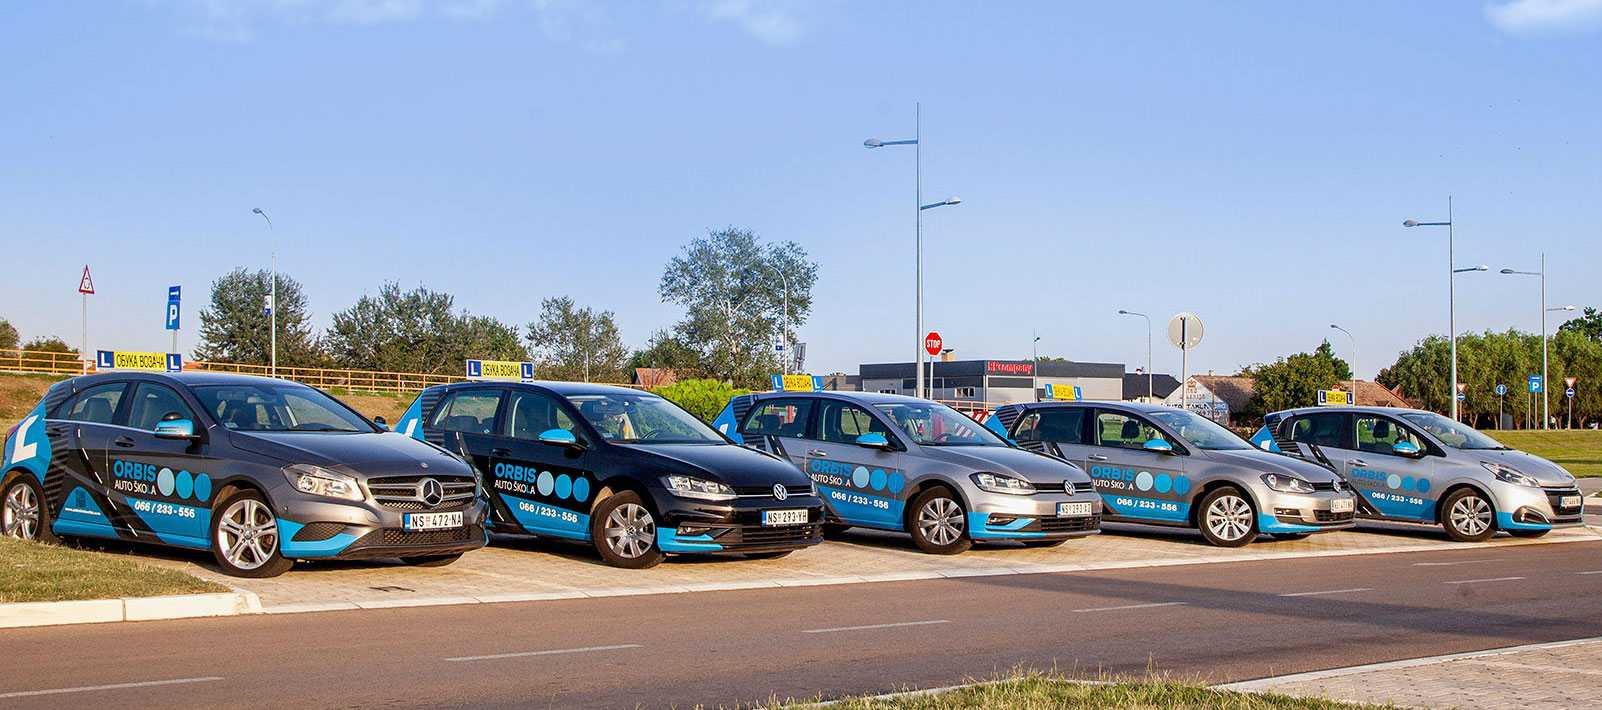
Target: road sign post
86,286
1185,332
173,297
932,343
1501,398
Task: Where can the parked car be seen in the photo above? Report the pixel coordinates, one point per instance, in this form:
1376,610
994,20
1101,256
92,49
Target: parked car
260,471
899,463
1417,466
1158,465
628,471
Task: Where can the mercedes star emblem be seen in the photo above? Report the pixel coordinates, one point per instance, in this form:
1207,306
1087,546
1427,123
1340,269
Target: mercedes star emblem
430,492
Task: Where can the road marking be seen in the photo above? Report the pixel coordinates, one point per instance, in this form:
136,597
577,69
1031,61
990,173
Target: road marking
1332,591
552,652
877,626
1449,564
1491,579
1595,571
1131,606
113,686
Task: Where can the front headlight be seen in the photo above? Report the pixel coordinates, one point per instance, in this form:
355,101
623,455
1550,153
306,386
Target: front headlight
692,487
997,483
1509,475
319,481
1286,484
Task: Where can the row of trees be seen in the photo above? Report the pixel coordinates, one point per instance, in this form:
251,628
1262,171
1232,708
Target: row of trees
1423,374
737,292
10,339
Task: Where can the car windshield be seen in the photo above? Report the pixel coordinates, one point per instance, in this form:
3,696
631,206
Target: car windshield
1196,429
1453,434
934,424
277,407
643,418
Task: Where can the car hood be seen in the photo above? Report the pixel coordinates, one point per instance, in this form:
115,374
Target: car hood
365,454
1548,473
1266,462
729,464
1030,466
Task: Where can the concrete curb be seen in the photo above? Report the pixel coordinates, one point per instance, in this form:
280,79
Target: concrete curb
97,611
1267,684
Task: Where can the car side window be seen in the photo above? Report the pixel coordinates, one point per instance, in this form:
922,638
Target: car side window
1377,434
843,422
1318,429
468,411
529,414
1123,431
152,402
779,417
1062,425
97,404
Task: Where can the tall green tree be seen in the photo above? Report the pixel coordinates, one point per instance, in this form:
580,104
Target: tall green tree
51,344
666,351
1588,324
1295,381
417,331
1488,359
236,328
8,335
570,342
735,290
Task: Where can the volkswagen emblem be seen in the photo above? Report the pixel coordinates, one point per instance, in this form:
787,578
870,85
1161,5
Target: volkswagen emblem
1068,487
430,492
424,464
779,493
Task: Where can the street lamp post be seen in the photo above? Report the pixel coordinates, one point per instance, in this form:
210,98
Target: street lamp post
1451,291
1034,374
1354,361
918,230
1151,388
1546,413
784,336
272,291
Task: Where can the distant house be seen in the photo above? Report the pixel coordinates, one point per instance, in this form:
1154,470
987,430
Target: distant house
1137,385
653,377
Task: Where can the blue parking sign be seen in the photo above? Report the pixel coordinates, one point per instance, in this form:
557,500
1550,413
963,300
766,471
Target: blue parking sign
174,295
1535,383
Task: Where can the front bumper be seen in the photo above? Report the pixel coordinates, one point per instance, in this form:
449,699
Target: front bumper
314,527
690,525
1526,508
1303,513
998,516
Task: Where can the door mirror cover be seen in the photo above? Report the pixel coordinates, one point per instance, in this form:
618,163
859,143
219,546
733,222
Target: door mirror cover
175,429
1406,448
1158,446
873,441
558,437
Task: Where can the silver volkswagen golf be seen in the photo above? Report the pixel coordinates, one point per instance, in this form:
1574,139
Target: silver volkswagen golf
1158,465
900,463
1416,466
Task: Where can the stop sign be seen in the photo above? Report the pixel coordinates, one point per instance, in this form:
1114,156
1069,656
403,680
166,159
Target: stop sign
932,343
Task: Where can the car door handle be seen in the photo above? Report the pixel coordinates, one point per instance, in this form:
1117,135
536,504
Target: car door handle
817,452
124,442
1358,462
503,453
1097,457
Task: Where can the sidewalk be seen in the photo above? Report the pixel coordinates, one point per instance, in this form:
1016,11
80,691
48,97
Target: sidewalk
1551,676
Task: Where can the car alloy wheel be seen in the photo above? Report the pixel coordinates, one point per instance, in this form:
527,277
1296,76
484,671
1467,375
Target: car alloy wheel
247,534
940,521
630,531
1227,518
1471,516
22,512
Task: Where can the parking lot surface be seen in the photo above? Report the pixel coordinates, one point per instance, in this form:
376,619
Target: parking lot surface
524,569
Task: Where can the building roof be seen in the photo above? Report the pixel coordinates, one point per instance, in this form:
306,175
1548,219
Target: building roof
1232,390
653,377
1136,385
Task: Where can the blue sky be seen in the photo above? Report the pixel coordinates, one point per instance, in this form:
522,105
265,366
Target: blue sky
1250,162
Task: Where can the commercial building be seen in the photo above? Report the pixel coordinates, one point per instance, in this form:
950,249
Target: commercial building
996,381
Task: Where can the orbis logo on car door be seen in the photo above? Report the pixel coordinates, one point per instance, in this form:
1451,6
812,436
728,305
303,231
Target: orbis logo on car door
858,493
1141,493
544,499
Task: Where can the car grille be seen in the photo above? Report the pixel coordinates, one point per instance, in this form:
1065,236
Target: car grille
403,493
391,537
757,536
1068,525
1325,516
317,532
1554,496
1324,486
767,491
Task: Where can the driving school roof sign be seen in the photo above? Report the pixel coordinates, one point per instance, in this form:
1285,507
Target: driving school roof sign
1332,398
1066,393
500,370
797,383
106,360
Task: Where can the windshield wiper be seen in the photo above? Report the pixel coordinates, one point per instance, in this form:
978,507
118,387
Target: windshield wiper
317,427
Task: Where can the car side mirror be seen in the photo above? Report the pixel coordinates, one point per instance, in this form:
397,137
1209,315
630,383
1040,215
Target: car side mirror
175,429
874,441
1158,446
559,437
1407,448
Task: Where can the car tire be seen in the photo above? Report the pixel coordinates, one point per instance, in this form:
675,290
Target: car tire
623,529
244,536
1467,516
1227,518
1044,543
1529,533
23,513
938,522
834,528
1287,537
768,555
431,560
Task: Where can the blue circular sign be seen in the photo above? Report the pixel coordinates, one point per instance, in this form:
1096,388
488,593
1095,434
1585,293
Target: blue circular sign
1568,392
1501,389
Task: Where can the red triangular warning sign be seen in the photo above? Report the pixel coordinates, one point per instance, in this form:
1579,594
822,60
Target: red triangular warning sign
87,285
1570,380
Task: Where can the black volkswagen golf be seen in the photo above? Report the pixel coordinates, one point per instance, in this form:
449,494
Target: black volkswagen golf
631,472
260,471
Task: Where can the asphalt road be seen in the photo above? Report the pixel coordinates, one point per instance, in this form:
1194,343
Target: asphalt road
1221,622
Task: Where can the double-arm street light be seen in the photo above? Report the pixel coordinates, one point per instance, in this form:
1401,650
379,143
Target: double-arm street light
1546,414
272,292
1451,298
1354,360
1151,389
918,230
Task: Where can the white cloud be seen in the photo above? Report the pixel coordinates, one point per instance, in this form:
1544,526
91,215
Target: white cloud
771,21
1537,17
584,23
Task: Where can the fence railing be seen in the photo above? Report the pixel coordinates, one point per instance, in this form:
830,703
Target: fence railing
41,362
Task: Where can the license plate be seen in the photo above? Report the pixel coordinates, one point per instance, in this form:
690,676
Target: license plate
1340,505
1072,510
784,517
1569,501
433,521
